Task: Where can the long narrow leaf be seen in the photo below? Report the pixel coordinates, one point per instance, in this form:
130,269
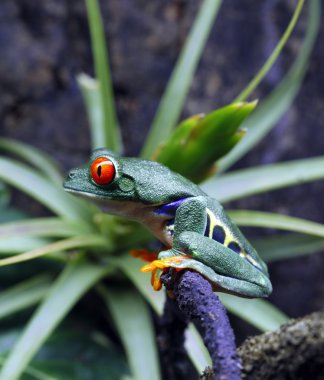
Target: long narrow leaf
247,218
75,280
4,197
240,184
277,103
61,245
276,248
33,372
109,127
273,57
40,160
131,268
178,86
257,312
17,244
135,327
41,189
23,295
91,96
49,227
196,349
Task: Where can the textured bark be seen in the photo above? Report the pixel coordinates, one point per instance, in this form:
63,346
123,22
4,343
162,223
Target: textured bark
295,351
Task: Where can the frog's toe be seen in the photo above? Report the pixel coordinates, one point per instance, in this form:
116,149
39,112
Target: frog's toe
156,267
168,262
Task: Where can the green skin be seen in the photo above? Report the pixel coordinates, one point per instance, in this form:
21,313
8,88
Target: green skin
142,190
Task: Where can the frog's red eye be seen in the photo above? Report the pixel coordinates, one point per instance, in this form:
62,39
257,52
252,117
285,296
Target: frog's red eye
103,171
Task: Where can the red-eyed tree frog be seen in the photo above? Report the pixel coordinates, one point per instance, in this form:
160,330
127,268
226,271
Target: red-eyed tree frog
194,228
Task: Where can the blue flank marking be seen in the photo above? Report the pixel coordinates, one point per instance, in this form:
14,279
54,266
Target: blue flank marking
169,209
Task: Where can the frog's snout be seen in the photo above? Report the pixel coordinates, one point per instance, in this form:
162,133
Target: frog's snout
72,175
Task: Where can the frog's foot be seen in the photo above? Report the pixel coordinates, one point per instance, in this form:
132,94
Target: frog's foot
157,267
144,254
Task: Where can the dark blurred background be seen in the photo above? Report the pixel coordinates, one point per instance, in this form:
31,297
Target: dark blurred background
45,44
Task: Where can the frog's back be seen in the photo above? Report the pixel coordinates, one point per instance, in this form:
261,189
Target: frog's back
156,183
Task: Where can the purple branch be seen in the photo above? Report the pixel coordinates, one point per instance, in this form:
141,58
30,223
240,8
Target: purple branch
198,303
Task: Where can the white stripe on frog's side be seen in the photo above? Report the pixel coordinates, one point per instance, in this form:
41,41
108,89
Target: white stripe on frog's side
214,222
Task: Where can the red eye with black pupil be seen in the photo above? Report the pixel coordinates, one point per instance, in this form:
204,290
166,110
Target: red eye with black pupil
103,171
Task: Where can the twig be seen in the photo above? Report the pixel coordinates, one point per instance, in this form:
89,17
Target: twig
199,304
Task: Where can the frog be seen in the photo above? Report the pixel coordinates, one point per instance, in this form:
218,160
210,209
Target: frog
195,231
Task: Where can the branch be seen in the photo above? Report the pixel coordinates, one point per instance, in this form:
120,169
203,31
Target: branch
295,351
199,304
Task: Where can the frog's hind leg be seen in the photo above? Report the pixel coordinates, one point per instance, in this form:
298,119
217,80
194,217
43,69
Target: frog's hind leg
223,266
215,255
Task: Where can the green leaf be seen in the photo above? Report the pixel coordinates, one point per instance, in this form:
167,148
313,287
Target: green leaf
199,141
85,241
196,349
40,160
75,280
71,354
259,313
178,86
243,183
247,218
134,324
4,196
108,127
23,295
41,189
276,248
131,268
273,57
31,373
278,102
91,96
17,244
49,227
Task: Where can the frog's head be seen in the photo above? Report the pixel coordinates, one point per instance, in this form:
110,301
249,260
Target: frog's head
102,179
109,177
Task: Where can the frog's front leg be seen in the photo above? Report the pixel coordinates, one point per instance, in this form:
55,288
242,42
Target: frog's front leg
190,216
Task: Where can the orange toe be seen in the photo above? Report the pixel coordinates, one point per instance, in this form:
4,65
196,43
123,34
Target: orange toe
157,267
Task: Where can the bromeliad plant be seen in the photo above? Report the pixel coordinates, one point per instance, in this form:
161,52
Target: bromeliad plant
81,247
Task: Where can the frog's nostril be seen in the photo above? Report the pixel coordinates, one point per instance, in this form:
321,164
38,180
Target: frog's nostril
72,174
